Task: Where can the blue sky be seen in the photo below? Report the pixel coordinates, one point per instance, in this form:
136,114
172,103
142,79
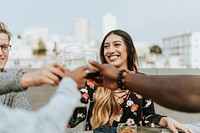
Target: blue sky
145,20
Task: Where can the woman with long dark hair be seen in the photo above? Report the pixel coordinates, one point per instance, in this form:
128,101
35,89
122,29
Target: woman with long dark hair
111,107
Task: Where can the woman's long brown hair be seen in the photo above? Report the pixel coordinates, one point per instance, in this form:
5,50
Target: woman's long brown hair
106,108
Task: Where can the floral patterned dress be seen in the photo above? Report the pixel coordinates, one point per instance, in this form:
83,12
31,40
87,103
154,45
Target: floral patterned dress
134,110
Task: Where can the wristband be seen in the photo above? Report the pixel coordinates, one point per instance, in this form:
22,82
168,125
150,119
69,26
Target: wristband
121,80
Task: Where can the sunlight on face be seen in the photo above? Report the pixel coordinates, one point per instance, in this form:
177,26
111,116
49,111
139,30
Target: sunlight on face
3,56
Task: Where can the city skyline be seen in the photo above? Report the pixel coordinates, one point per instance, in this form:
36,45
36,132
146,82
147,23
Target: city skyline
148,21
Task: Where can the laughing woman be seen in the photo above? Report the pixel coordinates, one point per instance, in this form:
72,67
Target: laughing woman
111,107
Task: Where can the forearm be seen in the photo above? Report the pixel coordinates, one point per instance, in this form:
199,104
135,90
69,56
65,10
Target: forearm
60,108
10,82
26,80
169,91
50,118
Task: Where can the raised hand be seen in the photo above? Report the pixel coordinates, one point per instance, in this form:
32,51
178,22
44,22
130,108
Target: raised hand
49,74
79,75
107,77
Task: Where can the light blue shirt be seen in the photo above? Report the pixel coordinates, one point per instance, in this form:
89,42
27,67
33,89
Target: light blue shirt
51,118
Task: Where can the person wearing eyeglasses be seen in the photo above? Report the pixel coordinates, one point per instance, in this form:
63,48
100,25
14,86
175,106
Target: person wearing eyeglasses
12,99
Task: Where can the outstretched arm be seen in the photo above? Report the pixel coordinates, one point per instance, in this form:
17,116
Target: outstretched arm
50,118
54,115
49,74
181,92
9,82
19,81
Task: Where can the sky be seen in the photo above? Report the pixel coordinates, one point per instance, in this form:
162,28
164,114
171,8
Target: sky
145,20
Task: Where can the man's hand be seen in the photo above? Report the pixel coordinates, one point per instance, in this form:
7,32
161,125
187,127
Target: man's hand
107,77
50,74
79,75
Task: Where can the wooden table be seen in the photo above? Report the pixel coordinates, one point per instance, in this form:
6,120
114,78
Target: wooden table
194,126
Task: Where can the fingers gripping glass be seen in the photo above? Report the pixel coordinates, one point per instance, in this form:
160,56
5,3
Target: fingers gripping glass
75,56
5,48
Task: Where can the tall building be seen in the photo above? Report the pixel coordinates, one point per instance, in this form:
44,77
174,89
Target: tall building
183,49
109,22
82,30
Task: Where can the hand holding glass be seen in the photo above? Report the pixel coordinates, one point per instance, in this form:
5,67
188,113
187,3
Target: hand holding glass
125,128
75,57
91,55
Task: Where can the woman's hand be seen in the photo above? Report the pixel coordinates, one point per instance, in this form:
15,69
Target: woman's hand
173,125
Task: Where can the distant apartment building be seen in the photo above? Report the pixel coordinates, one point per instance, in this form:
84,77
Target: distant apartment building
21,54
82,30
33,34
109,22
183,50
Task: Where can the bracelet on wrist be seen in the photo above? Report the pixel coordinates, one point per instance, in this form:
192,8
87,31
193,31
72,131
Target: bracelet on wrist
121,79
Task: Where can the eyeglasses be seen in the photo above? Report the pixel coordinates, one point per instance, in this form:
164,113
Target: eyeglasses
5,48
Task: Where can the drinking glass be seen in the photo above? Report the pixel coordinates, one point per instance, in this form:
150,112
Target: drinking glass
76,56
91,55
126,128
73,57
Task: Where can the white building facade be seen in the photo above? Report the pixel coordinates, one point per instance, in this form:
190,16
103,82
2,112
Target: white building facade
109,22
82,30
183,50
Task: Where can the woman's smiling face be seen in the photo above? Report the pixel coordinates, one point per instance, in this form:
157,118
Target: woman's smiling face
115,52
